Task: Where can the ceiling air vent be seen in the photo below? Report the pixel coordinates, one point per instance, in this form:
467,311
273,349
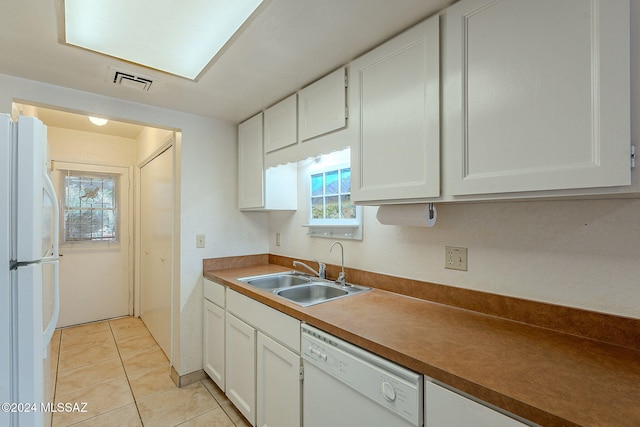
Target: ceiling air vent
132,81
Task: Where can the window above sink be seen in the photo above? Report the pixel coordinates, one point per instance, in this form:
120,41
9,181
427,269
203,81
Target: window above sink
332,213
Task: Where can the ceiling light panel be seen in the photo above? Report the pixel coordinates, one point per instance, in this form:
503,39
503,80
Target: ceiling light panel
178,37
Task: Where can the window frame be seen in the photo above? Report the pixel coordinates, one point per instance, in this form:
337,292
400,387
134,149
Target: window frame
125,202
65,207
335,228
324,196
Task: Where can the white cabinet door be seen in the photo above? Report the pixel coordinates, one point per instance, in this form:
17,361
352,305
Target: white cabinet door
322,106
536,95
260,189
241,366
250,164
281,124
278,383
214,343
444,408
395,108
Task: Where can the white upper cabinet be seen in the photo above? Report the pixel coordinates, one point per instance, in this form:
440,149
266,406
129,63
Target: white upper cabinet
322,106
250,164
273,188
281,124
536,95
394,96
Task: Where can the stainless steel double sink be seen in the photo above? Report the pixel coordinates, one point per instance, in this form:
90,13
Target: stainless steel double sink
302,289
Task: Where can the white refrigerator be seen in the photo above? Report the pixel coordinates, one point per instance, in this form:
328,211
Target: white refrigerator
29,221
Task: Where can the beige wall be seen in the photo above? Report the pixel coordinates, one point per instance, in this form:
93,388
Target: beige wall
149,140
93,148
576,253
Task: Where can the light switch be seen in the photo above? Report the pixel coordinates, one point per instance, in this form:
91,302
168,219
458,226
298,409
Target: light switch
200,241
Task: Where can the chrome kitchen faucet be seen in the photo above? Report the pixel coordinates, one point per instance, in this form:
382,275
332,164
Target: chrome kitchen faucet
341,279
322,268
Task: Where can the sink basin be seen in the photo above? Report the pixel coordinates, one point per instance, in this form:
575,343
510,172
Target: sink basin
275,281
317,292
302,289
312,293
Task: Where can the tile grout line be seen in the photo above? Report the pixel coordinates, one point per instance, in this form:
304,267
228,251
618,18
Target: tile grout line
55,379
135,401
111,410
221,404
111,328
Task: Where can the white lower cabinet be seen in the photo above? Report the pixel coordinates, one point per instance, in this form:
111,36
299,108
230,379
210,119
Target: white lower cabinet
446,408
241,366
214,309
278,384
214,343
263,362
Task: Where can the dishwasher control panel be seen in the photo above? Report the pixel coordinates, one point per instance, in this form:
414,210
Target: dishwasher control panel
393,386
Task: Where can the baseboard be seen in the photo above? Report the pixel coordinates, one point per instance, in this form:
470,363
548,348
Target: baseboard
185,380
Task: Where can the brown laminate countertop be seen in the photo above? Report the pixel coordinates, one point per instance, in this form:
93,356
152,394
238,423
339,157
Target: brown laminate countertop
548,377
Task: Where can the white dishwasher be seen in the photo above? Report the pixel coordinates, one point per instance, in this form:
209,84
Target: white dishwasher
346,386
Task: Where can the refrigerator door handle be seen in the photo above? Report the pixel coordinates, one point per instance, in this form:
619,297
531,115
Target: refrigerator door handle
55,238
51,326
53,259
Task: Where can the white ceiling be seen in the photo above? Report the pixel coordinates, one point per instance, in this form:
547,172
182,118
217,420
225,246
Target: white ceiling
289,44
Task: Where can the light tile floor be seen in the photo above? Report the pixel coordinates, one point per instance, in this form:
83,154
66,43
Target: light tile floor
118,369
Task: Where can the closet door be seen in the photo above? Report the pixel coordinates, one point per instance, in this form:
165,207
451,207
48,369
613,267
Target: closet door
156,230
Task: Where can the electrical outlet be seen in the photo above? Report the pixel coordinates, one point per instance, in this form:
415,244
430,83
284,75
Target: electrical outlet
200,241
455,258
277,239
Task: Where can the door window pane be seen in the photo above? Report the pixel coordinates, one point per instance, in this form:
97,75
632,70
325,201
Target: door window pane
89,207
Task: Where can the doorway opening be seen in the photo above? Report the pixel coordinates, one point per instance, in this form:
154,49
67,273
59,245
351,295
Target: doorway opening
114,201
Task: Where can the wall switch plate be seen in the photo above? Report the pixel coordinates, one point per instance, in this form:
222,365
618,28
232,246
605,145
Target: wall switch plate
455,258
277,239
200,241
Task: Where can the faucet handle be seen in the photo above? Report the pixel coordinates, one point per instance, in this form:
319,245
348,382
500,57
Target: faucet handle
322,269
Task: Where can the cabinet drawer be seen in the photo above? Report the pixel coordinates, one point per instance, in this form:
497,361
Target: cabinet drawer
214,292
278,325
